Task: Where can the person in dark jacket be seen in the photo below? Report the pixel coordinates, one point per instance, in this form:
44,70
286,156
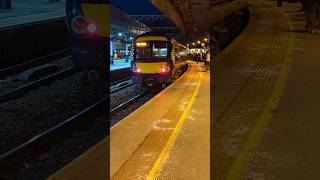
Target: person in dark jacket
312,13
197,57
307,5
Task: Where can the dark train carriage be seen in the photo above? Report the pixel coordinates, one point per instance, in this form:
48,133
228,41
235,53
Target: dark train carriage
88,24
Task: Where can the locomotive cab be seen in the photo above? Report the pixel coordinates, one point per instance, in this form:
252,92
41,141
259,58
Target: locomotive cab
152,63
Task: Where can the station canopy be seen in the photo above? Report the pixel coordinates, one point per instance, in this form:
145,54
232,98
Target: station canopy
145,12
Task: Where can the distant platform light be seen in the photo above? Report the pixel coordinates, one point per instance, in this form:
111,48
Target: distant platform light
205,39
199,42
131,38
119,34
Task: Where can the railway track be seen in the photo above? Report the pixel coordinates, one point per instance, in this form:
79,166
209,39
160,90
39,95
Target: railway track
121,84
34,62
44,140
58,63
14,93
128,102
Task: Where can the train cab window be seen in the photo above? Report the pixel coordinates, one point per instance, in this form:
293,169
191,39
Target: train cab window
153,50
143,52
160,50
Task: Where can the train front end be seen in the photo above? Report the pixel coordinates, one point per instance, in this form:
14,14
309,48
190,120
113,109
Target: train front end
152,63
88,25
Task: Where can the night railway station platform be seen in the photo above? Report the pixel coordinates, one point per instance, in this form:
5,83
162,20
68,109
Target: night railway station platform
120,64
266,98
29,12
163,138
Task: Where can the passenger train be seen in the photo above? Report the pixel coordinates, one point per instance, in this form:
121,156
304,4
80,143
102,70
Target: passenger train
156,59
88,24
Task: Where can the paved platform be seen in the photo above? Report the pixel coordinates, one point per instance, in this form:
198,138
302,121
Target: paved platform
92,165
163,138
266,99
167,135
32,11
120,64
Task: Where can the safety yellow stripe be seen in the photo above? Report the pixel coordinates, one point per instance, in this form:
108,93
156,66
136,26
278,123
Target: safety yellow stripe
154,173
253,140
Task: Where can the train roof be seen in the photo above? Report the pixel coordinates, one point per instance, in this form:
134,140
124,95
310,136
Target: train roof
149,36
152,36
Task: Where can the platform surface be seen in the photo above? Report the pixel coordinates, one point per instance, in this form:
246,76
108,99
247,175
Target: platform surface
167,135
25,12
163,138
91,165
266,99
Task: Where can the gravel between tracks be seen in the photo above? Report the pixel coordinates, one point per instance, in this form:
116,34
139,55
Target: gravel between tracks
43,108
114,119
124,95
61,153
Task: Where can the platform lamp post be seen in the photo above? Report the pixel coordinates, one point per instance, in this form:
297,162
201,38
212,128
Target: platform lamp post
126,43
111,49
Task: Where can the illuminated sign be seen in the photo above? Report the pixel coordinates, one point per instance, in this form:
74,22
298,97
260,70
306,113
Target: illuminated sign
141,44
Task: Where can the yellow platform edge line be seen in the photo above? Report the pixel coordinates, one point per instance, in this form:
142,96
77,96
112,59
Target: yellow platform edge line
239,166
155,171
189,63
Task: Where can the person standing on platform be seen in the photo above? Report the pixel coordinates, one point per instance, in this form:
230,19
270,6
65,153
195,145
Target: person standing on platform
194,57
204,57
307,5
198,57
312,7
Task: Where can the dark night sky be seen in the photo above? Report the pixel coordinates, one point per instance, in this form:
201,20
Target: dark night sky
136,7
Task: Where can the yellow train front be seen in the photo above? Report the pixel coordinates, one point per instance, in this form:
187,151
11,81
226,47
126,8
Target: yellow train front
156,58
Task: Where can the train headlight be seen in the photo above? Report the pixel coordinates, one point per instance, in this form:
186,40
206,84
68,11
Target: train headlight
136,70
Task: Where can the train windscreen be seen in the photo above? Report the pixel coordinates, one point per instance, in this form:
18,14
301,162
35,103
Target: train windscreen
152,50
